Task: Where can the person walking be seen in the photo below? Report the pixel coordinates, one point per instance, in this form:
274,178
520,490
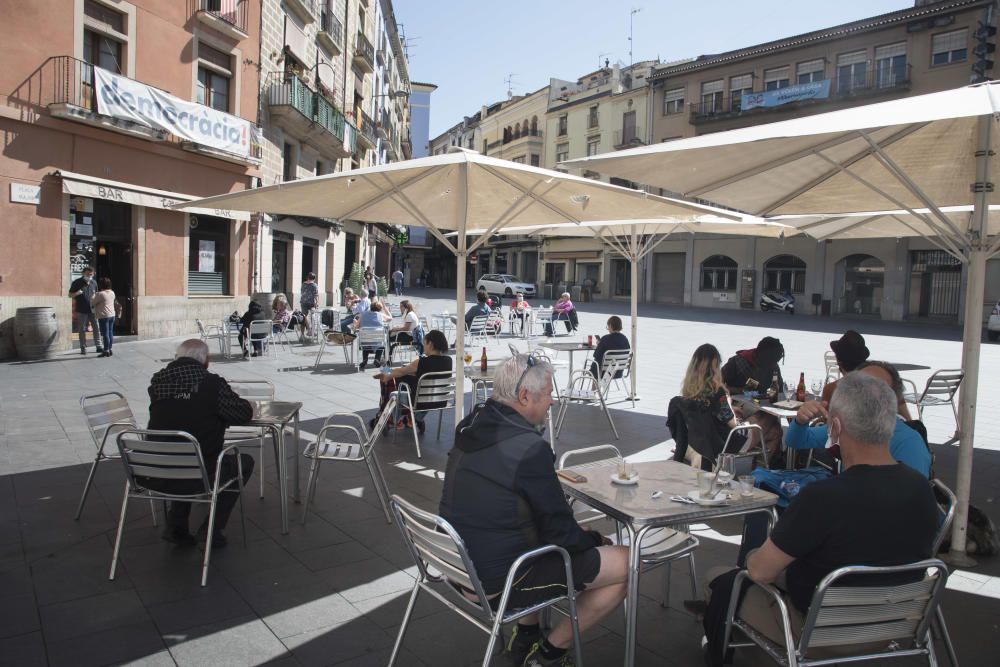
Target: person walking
397,281
82,292
103,306
308,300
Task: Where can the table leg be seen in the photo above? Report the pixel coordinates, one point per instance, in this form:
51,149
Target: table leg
279,434
632,596
295,465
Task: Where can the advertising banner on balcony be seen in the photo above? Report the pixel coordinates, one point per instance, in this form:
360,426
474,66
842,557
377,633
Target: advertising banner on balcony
816,90
121,97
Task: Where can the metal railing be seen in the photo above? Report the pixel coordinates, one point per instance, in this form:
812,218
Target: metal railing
524,134
385,124
629,137
233,12
286,89
328,116
332,26
368,127
365,49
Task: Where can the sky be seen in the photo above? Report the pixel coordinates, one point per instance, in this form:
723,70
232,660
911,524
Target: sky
469,49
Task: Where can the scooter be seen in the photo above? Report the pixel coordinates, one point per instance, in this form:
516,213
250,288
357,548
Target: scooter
774,301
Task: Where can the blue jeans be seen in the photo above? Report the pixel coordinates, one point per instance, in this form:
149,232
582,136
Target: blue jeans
107,325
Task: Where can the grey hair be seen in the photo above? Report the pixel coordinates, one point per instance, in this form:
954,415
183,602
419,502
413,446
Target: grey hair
509,373
193,348
866,406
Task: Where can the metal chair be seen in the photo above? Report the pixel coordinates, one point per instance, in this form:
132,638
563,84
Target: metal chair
736,458
106,414
947,516
437,389
541,317
585,389
661,546
280,337
476,331
844,616
344,341
213,332
361,451
623,358
252,436
940,389
832,367
260,331
444,562
373,339
174,456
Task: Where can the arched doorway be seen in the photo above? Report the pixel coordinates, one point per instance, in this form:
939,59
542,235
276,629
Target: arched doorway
859,282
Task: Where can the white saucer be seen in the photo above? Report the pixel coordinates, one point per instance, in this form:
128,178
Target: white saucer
721,499
631,481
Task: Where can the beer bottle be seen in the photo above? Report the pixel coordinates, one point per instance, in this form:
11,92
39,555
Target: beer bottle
482,361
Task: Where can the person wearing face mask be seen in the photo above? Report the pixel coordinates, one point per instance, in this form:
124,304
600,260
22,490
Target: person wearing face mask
82,292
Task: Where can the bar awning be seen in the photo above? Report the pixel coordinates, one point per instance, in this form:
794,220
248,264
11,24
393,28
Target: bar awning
81,185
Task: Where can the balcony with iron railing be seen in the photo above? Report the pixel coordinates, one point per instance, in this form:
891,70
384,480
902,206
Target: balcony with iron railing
331,33
306,114
384,128
366,130
227,16
306,9
67,87
364,54
627,137
872,83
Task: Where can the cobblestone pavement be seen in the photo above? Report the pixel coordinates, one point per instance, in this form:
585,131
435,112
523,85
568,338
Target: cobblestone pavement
333,592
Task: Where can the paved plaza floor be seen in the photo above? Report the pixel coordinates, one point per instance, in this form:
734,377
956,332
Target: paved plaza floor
333,592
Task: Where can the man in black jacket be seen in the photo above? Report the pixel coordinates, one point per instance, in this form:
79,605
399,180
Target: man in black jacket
502,496
186,397
614,340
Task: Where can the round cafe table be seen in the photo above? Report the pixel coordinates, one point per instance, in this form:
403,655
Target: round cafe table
910,367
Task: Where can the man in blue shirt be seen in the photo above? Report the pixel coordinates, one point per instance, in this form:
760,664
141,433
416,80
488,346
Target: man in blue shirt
906,445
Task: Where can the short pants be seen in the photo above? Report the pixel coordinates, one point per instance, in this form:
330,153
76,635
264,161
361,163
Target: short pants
545,578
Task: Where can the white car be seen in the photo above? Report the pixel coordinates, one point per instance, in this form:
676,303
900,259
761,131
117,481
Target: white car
502,284
993,326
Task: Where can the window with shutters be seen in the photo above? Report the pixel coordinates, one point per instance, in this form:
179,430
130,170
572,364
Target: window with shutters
890,65
810,71
214,77
785,273
593,117
851,71
776,78
711,96
739,86
950,47
718,274
673,101
594,146
562,153
563,125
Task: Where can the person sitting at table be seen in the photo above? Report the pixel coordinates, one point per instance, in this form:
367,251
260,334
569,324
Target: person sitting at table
502,495
405,332
435,359
563,309
850,351
701,418
480,308
877,512
613,340
519,310
185,396
369,319
252,313
906,445
282,313
755,370
362,304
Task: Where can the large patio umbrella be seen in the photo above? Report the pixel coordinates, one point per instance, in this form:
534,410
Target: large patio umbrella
921,152
634,239
456,191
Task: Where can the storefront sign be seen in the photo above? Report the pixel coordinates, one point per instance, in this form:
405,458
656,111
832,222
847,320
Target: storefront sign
121,97
23,193
816,90
206,256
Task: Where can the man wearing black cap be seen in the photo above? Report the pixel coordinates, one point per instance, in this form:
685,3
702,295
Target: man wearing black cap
851,352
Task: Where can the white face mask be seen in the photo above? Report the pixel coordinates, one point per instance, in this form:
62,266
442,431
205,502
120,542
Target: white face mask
88,278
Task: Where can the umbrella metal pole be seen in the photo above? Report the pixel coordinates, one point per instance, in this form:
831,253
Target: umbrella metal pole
634,298
971,344
461,257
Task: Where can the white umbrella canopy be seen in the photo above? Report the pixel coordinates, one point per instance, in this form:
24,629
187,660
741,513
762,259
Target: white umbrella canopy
634,239
920,152
456,191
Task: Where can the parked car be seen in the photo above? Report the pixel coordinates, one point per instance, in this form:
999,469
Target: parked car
993,326
502,284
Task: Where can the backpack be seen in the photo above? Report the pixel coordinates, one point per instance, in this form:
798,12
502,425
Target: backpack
418,337
326,318
771,480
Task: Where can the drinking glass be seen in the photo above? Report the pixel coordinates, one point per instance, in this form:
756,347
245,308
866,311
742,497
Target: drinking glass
746,484
705,478
625,469
817,387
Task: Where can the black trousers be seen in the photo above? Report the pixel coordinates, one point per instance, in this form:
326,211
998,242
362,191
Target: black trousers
401,338
180,512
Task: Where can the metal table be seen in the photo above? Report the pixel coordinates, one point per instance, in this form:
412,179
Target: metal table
568,347
638,512
482,379
910,367
230,329
275,415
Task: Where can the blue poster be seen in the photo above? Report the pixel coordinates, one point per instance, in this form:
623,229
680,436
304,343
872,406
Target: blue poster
817,90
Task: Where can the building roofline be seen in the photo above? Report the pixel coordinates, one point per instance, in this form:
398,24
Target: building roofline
432,86
834,32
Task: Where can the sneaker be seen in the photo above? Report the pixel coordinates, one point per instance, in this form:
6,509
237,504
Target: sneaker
519,644
535,658
83,352
99,350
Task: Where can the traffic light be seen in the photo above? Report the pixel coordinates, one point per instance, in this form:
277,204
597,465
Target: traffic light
985,36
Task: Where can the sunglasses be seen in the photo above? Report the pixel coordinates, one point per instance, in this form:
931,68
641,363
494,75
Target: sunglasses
531,364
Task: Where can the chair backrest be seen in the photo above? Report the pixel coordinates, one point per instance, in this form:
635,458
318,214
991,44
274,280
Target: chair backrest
622,357
610,369
843,614
611,450
947,502
105,412
371,338
201,328
259,329
436,389
944,382
438,550
543,314
261,390
162,455
831,365
478,324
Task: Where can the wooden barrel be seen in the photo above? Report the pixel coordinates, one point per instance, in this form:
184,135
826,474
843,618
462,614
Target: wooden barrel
35,332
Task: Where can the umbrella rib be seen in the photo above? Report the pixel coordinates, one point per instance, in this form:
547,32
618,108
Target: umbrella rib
507,216
653,242
543,202
825,221
908,183
401,199
846,163
384,194
933,239
930,223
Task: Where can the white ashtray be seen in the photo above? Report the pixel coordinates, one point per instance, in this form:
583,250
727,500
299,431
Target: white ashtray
716,499
631,481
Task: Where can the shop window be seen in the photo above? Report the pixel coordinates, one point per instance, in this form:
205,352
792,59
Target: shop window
588,275
718,274
208,255
785,273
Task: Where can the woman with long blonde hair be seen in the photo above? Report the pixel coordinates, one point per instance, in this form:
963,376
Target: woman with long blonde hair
703,412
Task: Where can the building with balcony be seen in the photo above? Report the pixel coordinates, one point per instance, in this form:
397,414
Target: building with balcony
121,110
